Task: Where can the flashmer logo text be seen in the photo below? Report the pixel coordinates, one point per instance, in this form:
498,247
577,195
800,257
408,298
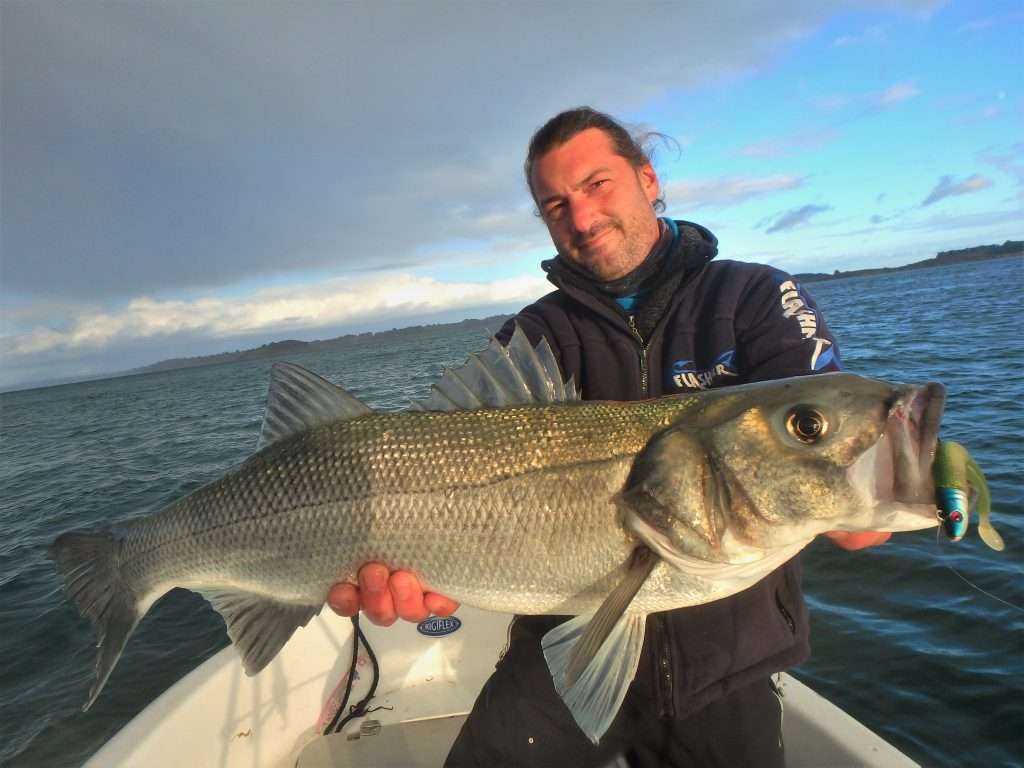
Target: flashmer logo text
686,376
794,306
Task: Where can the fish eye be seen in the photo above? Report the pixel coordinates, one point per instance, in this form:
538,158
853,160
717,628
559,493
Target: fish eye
806,424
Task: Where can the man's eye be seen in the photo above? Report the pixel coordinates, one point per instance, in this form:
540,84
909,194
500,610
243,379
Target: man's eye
598,183
554,209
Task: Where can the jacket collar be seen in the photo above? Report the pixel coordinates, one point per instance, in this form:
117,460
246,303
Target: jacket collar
692,248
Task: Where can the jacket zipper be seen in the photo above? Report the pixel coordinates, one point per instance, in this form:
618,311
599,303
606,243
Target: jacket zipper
663,654
662,644
786,615
644,383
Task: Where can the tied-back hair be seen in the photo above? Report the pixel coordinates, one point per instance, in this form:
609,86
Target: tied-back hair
637,149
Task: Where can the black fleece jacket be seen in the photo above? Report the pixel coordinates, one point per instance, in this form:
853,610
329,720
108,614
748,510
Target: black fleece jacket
724,323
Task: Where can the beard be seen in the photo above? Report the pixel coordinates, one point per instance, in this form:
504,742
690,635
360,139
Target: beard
613,257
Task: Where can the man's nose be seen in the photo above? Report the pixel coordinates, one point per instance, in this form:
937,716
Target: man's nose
584,214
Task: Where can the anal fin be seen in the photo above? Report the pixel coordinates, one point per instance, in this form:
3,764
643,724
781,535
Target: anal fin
259,626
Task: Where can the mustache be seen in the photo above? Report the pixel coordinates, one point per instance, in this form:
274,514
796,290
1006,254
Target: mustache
580,239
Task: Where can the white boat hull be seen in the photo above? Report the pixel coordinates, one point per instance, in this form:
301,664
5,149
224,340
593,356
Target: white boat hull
217,717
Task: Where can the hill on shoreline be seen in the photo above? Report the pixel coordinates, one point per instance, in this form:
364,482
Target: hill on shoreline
289,347
942,259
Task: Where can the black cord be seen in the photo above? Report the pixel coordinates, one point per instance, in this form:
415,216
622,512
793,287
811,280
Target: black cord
351,676
359,709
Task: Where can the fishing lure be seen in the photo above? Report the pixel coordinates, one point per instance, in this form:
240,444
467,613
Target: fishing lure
957,478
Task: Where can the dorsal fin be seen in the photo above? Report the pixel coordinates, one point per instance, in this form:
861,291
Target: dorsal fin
499,376
299,400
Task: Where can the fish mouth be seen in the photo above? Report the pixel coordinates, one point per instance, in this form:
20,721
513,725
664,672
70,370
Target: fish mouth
900,462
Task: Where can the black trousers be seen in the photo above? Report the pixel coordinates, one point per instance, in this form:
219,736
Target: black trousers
519,720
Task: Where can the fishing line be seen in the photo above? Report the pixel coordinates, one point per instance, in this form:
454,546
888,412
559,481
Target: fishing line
968,582
359,709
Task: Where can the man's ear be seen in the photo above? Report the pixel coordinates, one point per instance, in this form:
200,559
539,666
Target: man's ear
649,181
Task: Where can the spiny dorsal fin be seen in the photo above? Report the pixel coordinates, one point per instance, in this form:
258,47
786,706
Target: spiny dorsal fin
517,374
299,400
258,626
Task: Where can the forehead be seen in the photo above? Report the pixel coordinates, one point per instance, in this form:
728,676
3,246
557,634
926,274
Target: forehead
570,163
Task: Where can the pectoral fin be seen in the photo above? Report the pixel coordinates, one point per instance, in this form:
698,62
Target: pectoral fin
595,698
593,659
614,606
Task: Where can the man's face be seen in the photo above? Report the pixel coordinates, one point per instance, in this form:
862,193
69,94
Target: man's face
598,208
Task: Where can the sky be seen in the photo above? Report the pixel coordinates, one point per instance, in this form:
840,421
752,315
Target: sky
185,178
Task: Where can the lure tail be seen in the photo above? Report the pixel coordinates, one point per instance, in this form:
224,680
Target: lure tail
976,480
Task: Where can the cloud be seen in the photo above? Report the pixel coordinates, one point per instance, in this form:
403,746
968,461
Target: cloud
941,223
946,187
1009,160
188,146
896,93
726,191
280,310
983,115
967,220
796,217
186,152
985,23
872,101
978,25
872,35
790,144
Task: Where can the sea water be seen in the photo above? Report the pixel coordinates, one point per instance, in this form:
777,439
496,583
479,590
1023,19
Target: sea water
900,641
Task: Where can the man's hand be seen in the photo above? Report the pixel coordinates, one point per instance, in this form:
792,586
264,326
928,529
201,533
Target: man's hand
386,596
852,540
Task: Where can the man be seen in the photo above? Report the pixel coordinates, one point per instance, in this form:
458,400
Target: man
640,311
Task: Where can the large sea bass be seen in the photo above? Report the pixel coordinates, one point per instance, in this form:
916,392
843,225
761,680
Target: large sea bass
517,497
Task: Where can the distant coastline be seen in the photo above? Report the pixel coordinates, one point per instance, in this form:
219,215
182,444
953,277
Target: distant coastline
282,349
486,325
942,259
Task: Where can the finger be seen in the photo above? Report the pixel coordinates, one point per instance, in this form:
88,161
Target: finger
407,595
874,538
854,540
343,599
439,605
375,595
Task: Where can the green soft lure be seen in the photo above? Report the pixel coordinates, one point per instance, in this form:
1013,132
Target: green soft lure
957,476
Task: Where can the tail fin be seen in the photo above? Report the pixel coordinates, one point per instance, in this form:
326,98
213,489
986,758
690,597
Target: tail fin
87,560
